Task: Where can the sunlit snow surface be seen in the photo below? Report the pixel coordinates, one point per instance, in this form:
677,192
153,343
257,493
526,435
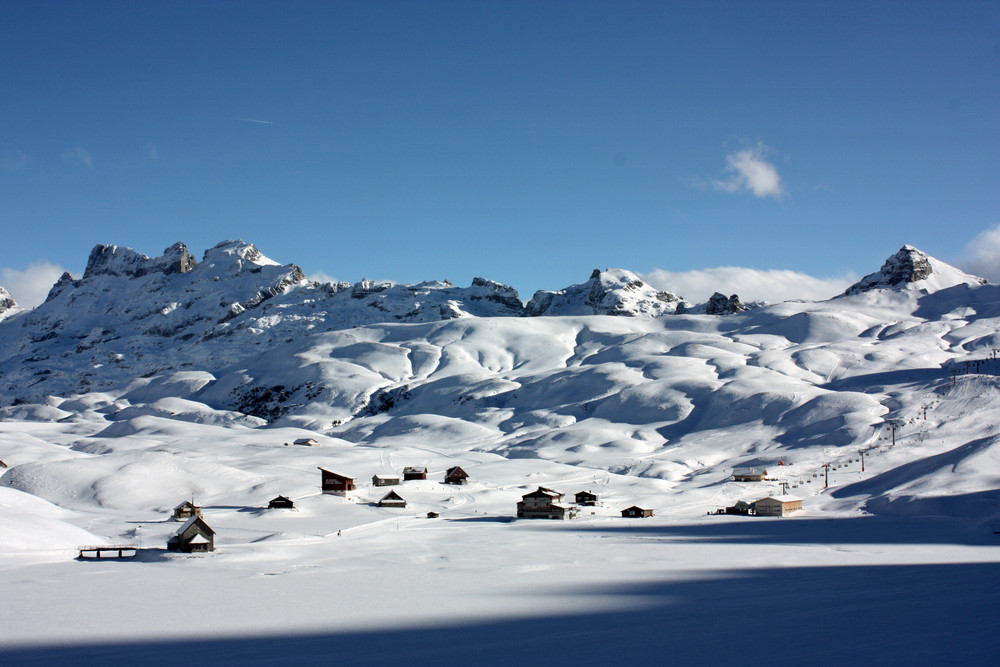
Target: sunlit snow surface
898,564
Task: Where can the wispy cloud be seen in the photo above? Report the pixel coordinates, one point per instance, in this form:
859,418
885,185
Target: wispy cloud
78,155
152,152
255,120
748,171
30,287
15,161
773,286
982,255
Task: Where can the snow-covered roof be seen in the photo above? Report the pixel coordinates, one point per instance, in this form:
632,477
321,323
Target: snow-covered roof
783,498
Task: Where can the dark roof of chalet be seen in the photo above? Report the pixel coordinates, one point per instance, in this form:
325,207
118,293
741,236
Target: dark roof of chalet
636,507
193,520
542,491
457,470
586,493
392,495
186,503
281,498
337,475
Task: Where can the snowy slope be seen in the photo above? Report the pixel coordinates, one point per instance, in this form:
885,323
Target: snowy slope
652,410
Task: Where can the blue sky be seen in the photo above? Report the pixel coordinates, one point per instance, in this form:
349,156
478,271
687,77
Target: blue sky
526,142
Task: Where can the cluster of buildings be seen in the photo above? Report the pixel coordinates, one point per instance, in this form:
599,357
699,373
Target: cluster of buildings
779,505
547,504
195,535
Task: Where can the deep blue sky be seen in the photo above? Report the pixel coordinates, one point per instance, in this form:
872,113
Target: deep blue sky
527,142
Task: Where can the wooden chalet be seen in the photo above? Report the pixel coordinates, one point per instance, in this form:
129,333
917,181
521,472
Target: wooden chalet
385,480
338,485
414,472
636,512
456,476
185,511
392,499
193,537
586,498
306,442
281,502
749,474
543,504
433,515
777,505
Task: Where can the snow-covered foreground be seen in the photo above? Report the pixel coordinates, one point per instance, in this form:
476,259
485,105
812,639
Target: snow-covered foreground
339,579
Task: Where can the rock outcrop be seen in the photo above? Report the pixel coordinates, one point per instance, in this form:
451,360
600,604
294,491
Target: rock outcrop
912,268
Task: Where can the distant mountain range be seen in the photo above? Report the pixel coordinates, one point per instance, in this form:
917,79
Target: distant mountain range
134,316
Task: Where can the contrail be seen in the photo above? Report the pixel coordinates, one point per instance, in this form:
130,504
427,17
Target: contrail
254,120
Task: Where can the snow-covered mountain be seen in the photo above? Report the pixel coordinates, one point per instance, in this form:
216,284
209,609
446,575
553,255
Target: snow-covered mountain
608,292
150,381
912,269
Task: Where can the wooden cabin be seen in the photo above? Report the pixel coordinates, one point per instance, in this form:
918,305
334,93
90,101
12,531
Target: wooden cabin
586,498
195,536
336,484
432,515
385,480
542,504
185,511
414,472
749,474
281,502
636,512
456,476
306,442
392,499
777,505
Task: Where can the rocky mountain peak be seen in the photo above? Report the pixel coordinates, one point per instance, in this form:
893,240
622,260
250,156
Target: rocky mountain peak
7,303
912,267
607,292
112,260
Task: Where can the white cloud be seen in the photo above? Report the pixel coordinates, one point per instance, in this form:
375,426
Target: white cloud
30,287
78,155
982,255
748,171
773,286
321,277
152,152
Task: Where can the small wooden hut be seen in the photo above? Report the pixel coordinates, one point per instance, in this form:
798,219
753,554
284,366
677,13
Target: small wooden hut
636,512
193,537
185,511
281,502
392,499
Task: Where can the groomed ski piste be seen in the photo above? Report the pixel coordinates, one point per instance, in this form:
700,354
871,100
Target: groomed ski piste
897,563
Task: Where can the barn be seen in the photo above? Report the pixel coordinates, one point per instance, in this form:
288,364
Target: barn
456,476
414,472
336,484
281,502
392,499
636,512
